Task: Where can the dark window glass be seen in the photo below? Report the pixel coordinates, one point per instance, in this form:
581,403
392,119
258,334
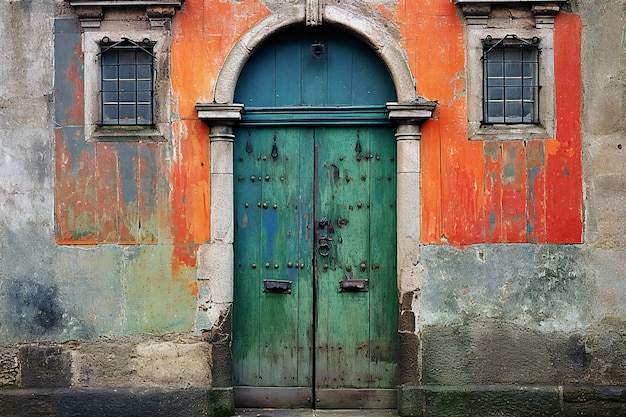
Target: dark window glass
127,83
511,83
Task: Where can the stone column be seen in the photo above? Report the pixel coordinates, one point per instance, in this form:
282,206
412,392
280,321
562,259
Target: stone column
215,271
409,117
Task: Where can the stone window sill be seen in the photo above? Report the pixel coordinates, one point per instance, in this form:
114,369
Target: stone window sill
510,132
127,134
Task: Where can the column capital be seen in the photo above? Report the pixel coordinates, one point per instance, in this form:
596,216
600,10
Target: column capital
219,114
411,113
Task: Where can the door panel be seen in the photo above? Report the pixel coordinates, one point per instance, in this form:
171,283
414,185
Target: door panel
356,324
272,243
315,283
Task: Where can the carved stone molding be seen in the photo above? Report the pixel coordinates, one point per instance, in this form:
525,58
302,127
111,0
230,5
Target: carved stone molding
159,12
313,12
477,12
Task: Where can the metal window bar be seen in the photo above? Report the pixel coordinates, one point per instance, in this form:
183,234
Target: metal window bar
511,81
127,83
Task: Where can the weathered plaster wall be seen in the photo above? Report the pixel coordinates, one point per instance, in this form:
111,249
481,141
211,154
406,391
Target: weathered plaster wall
522,272
83,314
28,291
604,151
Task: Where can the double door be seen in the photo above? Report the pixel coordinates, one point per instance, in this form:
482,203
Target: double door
316,304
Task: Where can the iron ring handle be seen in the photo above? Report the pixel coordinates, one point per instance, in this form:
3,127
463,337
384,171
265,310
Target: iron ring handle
324,248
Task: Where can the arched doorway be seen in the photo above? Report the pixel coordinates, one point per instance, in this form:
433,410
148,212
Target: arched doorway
315,296
223,114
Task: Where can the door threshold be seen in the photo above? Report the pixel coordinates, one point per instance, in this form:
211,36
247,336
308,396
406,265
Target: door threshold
300,397
272,397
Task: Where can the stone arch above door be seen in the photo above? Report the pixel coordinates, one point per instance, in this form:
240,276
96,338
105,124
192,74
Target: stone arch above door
376,35
215,270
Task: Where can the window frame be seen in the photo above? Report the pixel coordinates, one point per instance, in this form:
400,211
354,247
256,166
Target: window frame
478,31
95,130
112,95
526,93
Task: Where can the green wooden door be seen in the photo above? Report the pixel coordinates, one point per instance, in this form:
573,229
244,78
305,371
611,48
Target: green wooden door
315,312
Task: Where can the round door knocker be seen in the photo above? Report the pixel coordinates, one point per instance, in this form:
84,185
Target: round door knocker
324,248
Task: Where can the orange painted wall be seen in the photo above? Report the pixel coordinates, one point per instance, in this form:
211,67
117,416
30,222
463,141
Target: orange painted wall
204,32
471,191
476,191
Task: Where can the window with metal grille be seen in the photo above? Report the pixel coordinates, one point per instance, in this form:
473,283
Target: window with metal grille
511,81
127,82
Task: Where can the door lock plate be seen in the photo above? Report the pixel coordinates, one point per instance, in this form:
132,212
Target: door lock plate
353,285
276,286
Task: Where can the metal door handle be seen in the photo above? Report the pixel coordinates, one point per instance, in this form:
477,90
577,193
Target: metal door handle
324,248
353,285
277,286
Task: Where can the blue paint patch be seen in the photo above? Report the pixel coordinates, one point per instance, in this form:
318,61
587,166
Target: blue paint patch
127,154
492,220
67,45
149,174
529,230
35,307
270,224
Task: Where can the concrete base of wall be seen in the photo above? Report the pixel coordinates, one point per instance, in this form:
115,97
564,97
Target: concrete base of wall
413,401
121,402
511,400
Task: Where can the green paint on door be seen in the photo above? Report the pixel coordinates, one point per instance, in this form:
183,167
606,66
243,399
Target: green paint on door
315,207
316,305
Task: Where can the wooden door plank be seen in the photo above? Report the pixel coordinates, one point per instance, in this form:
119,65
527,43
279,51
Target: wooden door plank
382,265
371,81
304,272
343,319
279,338
288,61
258,79
314,84
340,73
247,290
273,397
356,398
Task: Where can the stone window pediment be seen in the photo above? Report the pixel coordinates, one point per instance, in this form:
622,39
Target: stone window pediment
92,12
479,11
